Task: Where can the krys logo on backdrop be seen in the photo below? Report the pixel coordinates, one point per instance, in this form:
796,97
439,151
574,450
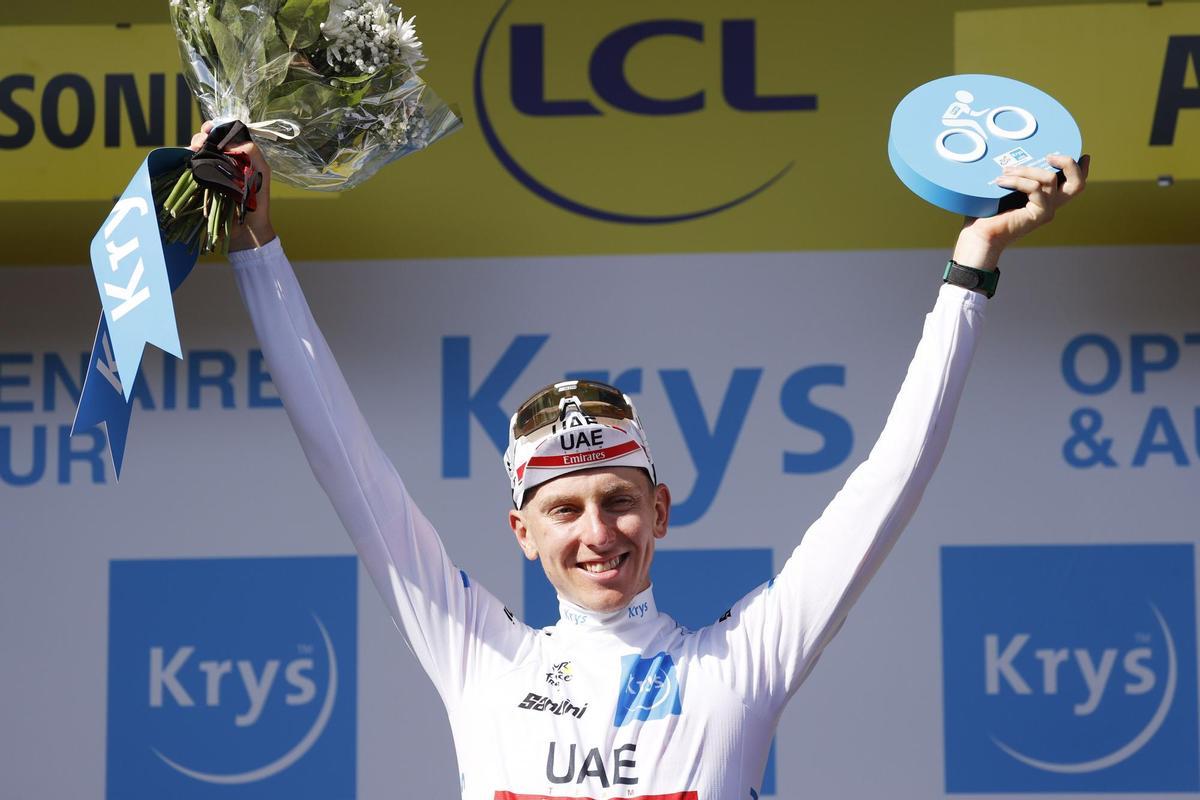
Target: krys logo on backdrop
1070,669
710,435
232,673
627,97
38,389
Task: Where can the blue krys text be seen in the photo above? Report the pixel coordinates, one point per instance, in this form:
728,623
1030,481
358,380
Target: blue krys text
710,435
48,384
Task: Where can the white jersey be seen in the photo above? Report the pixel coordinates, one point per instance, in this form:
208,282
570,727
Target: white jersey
627,704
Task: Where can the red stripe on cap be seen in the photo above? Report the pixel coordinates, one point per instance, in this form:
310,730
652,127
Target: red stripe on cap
577,459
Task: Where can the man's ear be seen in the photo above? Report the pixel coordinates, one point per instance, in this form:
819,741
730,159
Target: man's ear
662,510
516,521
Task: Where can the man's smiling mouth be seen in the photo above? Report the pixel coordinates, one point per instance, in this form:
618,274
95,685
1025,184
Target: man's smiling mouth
597,567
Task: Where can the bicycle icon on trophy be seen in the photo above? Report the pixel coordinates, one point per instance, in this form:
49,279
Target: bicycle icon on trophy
961,120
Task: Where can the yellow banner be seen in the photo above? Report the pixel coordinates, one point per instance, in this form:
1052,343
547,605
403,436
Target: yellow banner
81,105
630,126
1129,73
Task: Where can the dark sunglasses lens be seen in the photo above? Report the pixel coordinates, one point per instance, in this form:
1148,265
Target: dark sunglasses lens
542,409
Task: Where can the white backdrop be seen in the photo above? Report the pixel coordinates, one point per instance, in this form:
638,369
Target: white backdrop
232,482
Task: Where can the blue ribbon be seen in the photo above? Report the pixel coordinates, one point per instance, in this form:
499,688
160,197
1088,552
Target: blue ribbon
135,276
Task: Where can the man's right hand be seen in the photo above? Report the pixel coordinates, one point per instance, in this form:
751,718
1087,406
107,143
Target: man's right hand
256,230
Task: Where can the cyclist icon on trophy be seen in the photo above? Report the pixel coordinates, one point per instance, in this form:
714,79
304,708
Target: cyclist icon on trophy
958,124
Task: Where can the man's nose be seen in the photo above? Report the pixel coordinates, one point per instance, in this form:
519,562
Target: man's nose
598,530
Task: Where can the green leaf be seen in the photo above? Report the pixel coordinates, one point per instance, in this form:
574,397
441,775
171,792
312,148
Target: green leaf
303,99
228,48
353,80
276,58
273,45
231,17
300,22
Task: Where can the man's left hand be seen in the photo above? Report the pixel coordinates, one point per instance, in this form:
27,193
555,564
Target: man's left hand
982,240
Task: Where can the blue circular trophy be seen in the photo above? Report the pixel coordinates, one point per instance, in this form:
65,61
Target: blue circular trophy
951,138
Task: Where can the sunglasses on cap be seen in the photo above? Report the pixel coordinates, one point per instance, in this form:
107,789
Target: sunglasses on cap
545,407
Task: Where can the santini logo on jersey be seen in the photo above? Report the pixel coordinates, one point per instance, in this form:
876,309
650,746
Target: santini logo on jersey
537,702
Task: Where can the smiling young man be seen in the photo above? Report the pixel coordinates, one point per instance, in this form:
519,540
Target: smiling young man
586,502
617,700
594,533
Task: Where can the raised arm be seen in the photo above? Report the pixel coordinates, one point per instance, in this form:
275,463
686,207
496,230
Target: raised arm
456,629
777,632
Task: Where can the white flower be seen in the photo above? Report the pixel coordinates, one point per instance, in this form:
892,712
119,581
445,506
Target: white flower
406,35
332,26
370,35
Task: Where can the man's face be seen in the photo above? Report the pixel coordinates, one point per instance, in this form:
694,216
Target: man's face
594,531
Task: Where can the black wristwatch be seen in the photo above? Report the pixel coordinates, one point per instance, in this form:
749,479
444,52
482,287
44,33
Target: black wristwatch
982,280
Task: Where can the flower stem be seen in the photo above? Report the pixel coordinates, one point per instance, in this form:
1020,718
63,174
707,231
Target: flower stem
178,188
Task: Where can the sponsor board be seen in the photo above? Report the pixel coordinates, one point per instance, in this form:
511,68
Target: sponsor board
1130,77
81,105
228,676
624,127
1070,668
1134,374
551,82
38,388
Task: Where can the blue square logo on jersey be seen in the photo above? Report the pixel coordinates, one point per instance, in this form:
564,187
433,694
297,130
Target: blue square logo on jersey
649,689
1070,669
232,678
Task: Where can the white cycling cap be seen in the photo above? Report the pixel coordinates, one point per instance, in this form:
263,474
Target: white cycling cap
570,426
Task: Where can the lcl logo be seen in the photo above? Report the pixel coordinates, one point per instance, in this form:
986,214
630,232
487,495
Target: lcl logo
615,91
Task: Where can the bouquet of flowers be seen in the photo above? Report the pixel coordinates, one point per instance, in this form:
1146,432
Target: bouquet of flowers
331,93
329,88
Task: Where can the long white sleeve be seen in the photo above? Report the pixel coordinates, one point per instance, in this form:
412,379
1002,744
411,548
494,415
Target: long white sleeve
776,633
445,618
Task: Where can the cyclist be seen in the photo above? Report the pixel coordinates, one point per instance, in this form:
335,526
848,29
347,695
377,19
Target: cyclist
616,700
951,117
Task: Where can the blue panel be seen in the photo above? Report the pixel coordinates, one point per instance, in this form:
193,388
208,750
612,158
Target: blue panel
1070,669
697,586
232,678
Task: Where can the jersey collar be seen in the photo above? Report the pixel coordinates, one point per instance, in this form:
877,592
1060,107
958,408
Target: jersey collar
641,612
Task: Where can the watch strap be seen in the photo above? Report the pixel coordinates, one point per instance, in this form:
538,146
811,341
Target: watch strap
981,280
